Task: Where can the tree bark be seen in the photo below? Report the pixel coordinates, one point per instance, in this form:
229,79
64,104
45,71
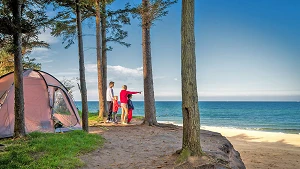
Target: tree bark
19,127
149,101
99,61
104,54
85,114
190,108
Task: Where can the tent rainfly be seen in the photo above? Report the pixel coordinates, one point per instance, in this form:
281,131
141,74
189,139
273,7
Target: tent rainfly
48,107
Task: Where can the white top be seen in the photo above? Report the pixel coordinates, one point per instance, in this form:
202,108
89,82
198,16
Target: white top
109,94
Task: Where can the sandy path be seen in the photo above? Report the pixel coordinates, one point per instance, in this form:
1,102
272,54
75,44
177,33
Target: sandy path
136,147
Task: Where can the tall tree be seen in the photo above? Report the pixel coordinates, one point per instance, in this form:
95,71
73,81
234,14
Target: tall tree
70,27
99,41
104,54
190,108
83,90
66,27
19,128
117,18
149,100
20,17
149,11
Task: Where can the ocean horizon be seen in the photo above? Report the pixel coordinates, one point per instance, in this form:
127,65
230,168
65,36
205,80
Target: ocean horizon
270,116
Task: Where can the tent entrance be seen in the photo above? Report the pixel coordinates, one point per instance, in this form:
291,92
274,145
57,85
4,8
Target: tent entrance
63,115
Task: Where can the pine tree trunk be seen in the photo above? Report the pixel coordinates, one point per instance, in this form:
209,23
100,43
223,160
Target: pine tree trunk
99,61
85,114
149,101
19,127
190,108
104,55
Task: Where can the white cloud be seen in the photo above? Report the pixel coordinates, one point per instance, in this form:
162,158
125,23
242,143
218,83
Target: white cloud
175,79
46,36
119,73
91,68
117,70
42,55
46,61
39,50
132,77
138,72
41,58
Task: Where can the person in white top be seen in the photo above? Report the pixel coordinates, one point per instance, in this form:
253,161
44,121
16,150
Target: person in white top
110,99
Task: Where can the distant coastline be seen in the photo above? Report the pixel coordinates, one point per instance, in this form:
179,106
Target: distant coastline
280,117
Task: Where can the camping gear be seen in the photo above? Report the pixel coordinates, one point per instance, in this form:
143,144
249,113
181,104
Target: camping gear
48,107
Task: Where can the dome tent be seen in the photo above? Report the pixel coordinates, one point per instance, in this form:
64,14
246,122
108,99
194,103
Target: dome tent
48,107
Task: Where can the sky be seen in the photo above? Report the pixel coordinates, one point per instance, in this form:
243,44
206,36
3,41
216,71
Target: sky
245,51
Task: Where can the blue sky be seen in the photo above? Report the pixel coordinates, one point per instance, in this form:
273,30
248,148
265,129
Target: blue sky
246,51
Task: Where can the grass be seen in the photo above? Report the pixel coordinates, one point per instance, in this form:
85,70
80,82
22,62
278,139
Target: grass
93,116
48,150
138,117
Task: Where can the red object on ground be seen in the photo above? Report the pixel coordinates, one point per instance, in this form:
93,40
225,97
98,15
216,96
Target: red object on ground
129,115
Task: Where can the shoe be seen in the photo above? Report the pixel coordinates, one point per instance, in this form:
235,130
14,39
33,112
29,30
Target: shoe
107,121
110,121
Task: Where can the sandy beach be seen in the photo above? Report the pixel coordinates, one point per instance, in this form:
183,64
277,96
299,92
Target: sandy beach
259,150
264,150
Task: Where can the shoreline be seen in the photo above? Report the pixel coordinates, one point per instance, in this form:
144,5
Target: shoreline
236,128
251,135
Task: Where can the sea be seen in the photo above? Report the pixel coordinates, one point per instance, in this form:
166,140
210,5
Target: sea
281,117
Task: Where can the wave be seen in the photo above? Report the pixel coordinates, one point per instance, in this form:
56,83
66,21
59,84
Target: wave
170,122
290,131
277,130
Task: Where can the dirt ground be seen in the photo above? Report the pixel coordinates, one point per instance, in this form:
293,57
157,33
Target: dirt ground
138,146
135,146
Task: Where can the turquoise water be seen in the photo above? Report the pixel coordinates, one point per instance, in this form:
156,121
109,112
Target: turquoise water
266,116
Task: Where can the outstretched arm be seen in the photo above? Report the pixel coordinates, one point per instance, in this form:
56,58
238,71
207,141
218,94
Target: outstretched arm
129,92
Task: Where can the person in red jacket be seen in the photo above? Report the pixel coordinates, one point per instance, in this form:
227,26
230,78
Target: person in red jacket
123,98
115,109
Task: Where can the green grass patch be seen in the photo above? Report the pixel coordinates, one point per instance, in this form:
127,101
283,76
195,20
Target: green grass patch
48,150
93,116
138,117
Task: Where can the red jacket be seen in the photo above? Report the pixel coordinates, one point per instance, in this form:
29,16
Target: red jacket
124,94
115,106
